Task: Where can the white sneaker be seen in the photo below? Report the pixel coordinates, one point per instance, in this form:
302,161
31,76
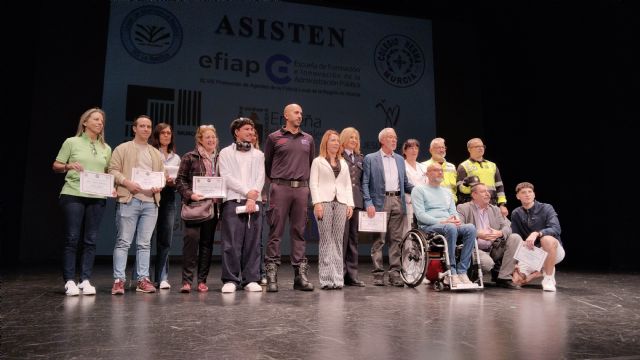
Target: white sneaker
253,286
464,279
230,288
454,280
549,283
164,284
87,288
71,289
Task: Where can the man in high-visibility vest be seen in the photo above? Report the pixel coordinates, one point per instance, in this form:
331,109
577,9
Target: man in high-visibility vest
477,169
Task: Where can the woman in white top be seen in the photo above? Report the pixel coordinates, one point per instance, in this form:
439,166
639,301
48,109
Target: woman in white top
416,172
330,186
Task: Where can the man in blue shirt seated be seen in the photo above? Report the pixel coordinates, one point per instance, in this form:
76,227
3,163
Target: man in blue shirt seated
435,211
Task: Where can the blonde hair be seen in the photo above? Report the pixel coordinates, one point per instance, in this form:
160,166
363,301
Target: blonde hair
85,116
325,140
345,134
200,133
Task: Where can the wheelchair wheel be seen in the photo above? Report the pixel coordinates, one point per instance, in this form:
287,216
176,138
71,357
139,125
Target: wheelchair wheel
413,258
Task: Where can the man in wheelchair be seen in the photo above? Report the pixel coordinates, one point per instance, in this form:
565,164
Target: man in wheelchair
435,211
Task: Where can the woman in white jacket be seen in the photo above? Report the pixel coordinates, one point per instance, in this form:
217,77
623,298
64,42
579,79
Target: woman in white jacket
330,186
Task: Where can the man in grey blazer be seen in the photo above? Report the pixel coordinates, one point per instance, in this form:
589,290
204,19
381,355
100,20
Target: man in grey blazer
495,239
384,183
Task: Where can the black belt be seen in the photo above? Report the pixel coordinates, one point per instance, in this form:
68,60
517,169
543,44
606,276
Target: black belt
291,183
392,193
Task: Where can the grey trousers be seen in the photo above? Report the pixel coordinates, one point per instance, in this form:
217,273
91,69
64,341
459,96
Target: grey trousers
508,262
395,227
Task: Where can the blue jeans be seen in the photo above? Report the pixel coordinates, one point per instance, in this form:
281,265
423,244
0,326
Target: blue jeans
79,211
162,236
134,218
466,233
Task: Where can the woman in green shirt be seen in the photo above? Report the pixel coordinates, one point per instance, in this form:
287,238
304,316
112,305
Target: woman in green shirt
85,151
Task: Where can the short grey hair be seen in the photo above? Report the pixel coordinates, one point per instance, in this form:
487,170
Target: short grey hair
436,141
383,132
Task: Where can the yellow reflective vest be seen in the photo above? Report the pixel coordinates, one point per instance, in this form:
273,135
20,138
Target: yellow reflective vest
488,174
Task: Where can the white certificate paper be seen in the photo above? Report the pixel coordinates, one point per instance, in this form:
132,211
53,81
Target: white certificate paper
533,258
209,186
148,179
378,223
172,171
96,183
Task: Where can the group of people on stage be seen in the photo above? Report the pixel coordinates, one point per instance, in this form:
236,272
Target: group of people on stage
341,182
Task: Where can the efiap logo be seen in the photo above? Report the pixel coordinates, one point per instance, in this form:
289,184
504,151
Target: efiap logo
151,34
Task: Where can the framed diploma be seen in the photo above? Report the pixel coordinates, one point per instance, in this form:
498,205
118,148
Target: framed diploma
148,179
94,183
209,186
533,258
378,223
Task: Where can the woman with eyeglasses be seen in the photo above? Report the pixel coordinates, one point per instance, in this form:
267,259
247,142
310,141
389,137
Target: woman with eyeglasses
88,151
198,238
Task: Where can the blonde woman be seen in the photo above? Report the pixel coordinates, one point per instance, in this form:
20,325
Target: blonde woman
350,143
86,150
198,238
330,186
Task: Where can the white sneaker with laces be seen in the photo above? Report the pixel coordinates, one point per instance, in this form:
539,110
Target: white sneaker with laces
229,288
87,288
164,284
549,283
71,289
253,286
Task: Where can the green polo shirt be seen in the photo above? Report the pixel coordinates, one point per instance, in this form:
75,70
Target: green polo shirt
80,149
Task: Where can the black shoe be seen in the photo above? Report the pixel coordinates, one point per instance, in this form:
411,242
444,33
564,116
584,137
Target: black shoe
507,284
356,282
494,275
272,277
300,280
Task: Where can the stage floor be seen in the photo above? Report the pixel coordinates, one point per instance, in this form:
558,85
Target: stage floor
592,316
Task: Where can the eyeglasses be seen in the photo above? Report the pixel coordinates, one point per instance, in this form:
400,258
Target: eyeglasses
479,147
93,149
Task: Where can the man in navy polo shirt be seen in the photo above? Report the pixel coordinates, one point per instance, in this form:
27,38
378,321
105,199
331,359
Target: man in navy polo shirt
288,153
